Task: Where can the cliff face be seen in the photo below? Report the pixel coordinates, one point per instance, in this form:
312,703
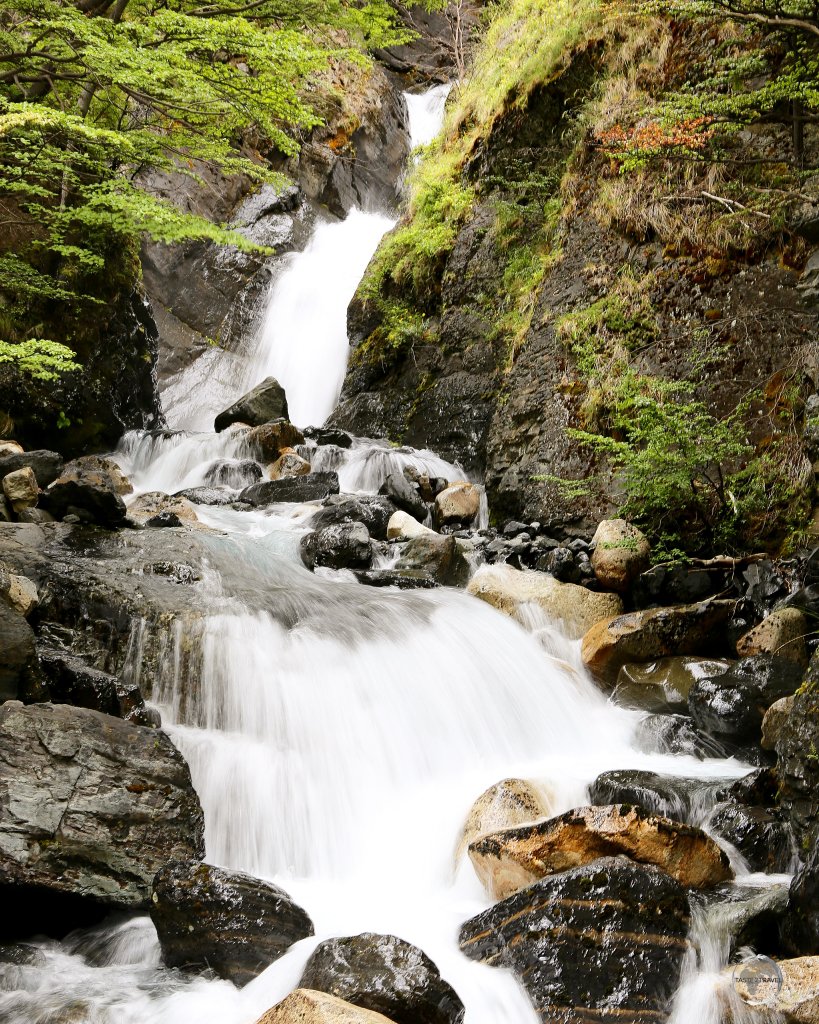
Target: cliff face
478,354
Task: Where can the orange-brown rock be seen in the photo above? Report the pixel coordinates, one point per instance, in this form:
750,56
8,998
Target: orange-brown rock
509,802
306,1007
270,439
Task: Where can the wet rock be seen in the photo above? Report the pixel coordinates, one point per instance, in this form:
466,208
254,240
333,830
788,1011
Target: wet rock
385,974
373,511
288,464
795,1002
507,803
797,765
774,719
266,402
403,579
71,681
98,464
783,633
306,1007
313,487
18,592
90,494
47,466
513,858
34,515
621,553
655,633
576,608
734,704
329,435
20,489
800,928
270,439
759,788
342,546
152,504
763,840
611,934
206,496
235,473
457,505
679,584
404,496
226,920
663,685
20,673
403,526
439,556
666,795
674,734
92,807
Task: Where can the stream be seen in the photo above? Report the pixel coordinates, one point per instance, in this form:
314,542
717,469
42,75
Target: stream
337,735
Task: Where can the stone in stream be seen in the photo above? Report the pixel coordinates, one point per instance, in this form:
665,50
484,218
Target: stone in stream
93,494
206,495
782,633
604,941
656,633
403,526
663,685
270,439
509,802
513,858
21,676
621,553
675,734
404,495
313,487
666,795
264,403
235,473
374,511
403,579
91,807
235,924
342,546
99,464
47,465
575,607
288,464
733,704
457,504
439,556
761,837
306,1007
329,435
149,506
774,721
20,489
794,1001
385,974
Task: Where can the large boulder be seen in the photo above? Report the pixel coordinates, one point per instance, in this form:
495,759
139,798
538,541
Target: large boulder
438,555
343,546
288,464
507,803
782,633
734,704
404,495
575,608
509,860
757,832
47,465
20,489
306,1007
774,720
385,974
270,439
663,685
99,464
457,505
266,402
20,672
91,494
403,526
605,938
148,507
666,795
374,511
91,807
656,633
226,920
313,487
621,553
235,473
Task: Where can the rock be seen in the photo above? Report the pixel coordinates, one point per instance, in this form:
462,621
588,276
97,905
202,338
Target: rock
509,860
18,592
797,766
154,503
795,1002
611,934
666,795
235,473
674,734
20,489
403,526
313,487
800,928
759,787
71,681
10,448
458,504
265,403
306,1007
92,494
329,435
20,673
621,554
509,802
34,515
663,685
575,608
226,920
98,464
385,974
206,496
763,840
288,464
270,439
92,807
344,546
373,511
403,579
782,633
47,466
735,703
439,556
679,583
404,496
774,720
655,633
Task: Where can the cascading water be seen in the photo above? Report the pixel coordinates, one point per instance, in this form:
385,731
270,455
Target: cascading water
337,735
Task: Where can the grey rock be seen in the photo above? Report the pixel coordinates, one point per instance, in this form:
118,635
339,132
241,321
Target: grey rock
47,465
311,487
266,402
404,496
20,672
340,546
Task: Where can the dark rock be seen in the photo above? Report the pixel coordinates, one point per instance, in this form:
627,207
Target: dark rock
668,795
404,496
512,528
663,685
674,734
800,927
763,840
607,936
266,402
20,672
90,494
100,805
764,584
438,556
328,435
71,681
371,510
797,767
385,974
164,519
403,579
735,703
560,562
236,473
312,487
342,546
47,466
20,954
759,788
678,584
206,496
34,515
226,920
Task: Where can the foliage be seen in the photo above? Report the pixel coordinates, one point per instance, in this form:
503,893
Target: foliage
39,359
399,328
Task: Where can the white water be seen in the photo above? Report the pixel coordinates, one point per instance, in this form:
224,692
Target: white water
337,735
